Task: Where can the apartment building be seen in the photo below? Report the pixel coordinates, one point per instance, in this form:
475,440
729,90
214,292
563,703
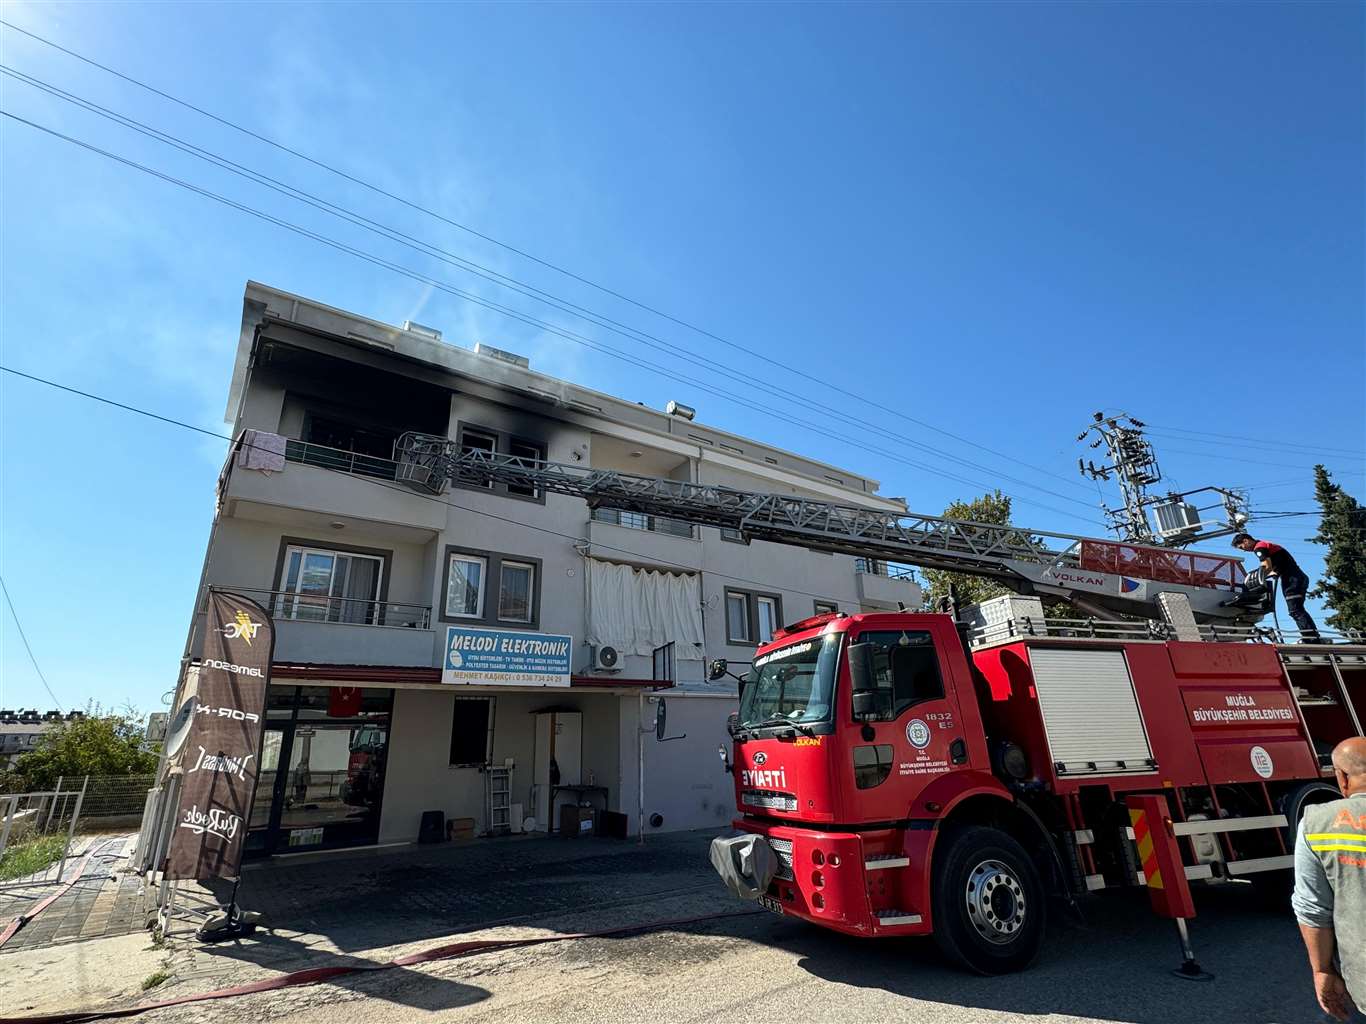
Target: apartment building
376,587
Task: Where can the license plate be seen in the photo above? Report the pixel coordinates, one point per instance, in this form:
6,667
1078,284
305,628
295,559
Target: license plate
769,903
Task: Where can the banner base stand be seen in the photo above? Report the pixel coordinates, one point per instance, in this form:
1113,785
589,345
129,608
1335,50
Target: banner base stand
234,924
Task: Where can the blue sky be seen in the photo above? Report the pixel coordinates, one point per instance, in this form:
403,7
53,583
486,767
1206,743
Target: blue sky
993,219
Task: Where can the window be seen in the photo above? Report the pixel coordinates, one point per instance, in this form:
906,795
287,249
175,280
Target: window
517,582
825,607
471,732
525,453
906,669
478,441
752,618
767,615
795,683
334,432
737,617
322,585
734,536
491,588
465,587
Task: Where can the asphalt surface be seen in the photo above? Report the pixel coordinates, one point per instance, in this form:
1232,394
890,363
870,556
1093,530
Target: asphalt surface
735,963
1114,966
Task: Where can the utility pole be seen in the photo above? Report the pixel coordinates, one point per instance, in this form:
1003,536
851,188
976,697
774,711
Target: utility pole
1174,521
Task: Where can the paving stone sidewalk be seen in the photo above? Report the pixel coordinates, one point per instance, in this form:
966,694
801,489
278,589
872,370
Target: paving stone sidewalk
106,900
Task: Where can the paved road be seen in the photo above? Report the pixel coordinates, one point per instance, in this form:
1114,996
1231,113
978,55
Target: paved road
758,967
1113,967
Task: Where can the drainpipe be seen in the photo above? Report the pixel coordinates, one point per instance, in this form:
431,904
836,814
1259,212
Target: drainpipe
640,759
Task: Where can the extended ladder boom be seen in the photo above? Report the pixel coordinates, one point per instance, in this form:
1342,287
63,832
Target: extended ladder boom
1114,577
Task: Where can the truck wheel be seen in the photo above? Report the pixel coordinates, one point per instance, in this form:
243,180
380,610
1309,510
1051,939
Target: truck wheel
988,901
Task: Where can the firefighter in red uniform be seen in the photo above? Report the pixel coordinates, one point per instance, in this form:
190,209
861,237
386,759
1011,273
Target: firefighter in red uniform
1294,582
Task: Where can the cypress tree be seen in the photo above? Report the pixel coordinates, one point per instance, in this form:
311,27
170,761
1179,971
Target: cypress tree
1342,529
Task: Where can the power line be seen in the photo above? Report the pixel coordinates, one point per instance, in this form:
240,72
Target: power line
1260,462
824,383
19,626
571,336
403,490
1258,440
502,280
1306,450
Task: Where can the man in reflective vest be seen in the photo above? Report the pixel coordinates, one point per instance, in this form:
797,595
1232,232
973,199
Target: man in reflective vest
1330,885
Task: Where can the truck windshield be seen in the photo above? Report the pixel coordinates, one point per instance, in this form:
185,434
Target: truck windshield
795,683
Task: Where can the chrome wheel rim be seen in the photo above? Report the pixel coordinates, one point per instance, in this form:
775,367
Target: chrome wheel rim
995,902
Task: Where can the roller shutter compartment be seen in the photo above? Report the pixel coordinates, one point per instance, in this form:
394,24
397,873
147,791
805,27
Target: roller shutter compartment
1090,712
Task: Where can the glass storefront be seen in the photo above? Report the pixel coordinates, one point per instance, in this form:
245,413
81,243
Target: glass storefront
322,769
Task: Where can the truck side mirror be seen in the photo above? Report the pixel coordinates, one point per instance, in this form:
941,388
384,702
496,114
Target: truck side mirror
717,670
862,680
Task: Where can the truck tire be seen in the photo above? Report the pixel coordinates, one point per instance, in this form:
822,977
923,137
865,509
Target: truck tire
987,900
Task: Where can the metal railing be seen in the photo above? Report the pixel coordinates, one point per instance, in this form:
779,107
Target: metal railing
295,607
1152,629
888,570
38,817
642,521
310,454
1074,629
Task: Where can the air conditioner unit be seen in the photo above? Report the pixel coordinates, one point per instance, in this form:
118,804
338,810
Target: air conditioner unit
606,657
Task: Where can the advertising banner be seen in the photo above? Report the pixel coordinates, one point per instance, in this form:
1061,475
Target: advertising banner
481,657
220,755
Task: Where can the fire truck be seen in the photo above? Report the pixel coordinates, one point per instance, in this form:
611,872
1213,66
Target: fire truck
908,773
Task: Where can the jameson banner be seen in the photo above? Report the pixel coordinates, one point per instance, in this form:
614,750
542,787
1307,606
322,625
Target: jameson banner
221,754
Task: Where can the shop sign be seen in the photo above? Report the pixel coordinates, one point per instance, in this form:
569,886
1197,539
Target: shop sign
484,657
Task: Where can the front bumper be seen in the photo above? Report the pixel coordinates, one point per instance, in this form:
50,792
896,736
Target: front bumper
825,878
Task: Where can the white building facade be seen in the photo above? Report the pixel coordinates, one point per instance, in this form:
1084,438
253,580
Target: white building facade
371,584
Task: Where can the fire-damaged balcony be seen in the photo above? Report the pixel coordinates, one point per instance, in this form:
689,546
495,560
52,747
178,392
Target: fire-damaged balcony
319,479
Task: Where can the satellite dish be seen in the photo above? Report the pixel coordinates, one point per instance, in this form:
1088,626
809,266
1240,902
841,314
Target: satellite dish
179,729
528,824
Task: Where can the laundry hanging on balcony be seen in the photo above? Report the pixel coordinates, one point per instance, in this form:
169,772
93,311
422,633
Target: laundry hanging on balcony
637,610
260,449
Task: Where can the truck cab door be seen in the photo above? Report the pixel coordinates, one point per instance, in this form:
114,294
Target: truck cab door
918,732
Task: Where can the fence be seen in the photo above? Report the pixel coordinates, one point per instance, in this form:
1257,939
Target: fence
106,796
36,830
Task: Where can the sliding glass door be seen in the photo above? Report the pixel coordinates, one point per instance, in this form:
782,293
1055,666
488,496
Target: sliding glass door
330,586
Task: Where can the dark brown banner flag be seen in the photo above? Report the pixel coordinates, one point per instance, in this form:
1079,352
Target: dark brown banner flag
221,755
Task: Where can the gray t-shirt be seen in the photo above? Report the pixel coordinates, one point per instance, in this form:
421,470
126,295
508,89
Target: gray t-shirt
1330,882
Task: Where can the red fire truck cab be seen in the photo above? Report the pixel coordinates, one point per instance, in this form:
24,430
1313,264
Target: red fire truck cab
905,782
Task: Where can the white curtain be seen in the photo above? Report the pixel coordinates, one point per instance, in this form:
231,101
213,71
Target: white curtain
637,610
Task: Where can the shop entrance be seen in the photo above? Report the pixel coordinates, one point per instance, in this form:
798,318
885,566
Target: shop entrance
323,759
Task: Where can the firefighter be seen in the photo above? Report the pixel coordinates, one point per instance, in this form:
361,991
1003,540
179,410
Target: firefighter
1294,582
1330,885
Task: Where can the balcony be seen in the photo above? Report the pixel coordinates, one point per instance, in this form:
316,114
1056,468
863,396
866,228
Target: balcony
651,541
886,585
330,482
640,521
347,631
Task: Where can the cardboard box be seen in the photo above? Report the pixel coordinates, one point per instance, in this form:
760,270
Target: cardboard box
576,821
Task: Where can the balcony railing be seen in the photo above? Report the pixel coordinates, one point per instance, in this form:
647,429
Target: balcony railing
888,570
347,611
336,458
640,521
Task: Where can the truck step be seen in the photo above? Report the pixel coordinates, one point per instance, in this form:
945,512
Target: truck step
890,917
885,860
